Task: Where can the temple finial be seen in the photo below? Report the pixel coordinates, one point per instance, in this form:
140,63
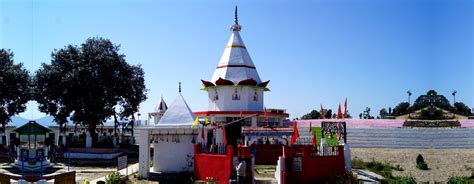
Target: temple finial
179,87
236,18
236,26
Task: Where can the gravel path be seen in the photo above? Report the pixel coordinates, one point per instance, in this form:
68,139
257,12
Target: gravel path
443,163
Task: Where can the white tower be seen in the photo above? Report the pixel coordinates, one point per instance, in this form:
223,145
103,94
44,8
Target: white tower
160,110
235,85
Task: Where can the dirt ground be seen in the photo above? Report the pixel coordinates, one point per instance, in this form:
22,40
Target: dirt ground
442,163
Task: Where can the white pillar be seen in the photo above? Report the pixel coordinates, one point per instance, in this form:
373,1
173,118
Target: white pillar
155,157
144,153
64,139
254,121
219,137
114,141
347,157
88,140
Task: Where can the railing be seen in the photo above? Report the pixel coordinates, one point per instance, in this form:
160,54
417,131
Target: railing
213,149
301,150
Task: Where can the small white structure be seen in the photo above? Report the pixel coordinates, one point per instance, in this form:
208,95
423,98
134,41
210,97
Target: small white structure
160,110
172,138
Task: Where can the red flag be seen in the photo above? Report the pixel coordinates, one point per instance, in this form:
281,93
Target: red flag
295,134
345,109
323,114
339,114
310,127
315,141
224,136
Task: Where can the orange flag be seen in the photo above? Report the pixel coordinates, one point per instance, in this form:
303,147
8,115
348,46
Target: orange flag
339,114
345,109
295,134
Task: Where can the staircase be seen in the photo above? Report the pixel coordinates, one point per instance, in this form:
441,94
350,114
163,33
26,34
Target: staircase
422,138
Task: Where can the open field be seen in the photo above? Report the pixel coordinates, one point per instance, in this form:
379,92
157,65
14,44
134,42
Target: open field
442,163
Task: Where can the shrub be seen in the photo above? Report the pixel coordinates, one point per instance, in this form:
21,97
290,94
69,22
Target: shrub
407,180
457,180
114,178
419,159
422,166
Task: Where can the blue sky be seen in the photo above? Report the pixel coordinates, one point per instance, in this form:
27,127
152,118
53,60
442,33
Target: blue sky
314,52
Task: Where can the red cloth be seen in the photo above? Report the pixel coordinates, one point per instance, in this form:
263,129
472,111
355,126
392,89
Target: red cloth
295,133
345,108
339,113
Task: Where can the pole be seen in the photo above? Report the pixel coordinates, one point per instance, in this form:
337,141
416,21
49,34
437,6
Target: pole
68,161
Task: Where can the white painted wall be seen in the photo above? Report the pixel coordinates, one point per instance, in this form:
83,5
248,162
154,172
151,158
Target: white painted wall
170,157
144,153
226,103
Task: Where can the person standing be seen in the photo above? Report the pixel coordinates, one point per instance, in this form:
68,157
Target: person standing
241,168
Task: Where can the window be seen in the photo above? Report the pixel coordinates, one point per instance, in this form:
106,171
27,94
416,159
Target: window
255,96
236,95
216,97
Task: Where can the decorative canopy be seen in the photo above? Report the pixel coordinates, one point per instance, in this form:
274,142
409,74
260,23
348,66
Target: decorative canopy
235,63
178,114
32,128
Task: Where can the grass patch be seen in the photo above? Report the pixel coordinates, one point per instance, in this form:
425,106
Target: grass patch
330,139
383,169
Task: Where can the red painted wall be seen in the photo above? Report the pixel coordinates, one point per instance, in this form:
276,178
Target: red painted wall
267,154
213,165
314,168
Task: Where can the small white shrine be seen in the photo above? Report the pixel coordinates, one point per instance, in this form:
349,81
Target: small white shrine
172,139
160,110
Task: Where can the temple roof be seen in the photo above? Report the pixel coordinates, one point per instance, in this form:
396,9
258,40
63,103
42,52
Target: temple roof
32,128
235,63
178,114
161,106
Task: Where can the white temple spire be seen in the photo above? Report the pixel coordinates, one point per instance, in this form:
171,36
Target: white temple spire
235,64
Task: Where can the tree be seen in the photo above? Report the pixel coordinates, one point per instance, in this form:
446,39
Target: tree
366,114
462,109
383,113
314,114
90,84
328,114
401,109
14,87
432,98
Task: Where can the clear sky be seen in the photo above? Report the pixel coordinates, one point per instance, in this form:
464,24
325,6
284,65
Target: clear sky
314,52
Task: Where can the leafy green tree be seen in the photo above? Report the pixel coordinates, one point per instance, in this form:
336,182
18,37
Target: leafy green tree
432,98
462,109
314,114
401,109
383,113
90,84
328,114
14,87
